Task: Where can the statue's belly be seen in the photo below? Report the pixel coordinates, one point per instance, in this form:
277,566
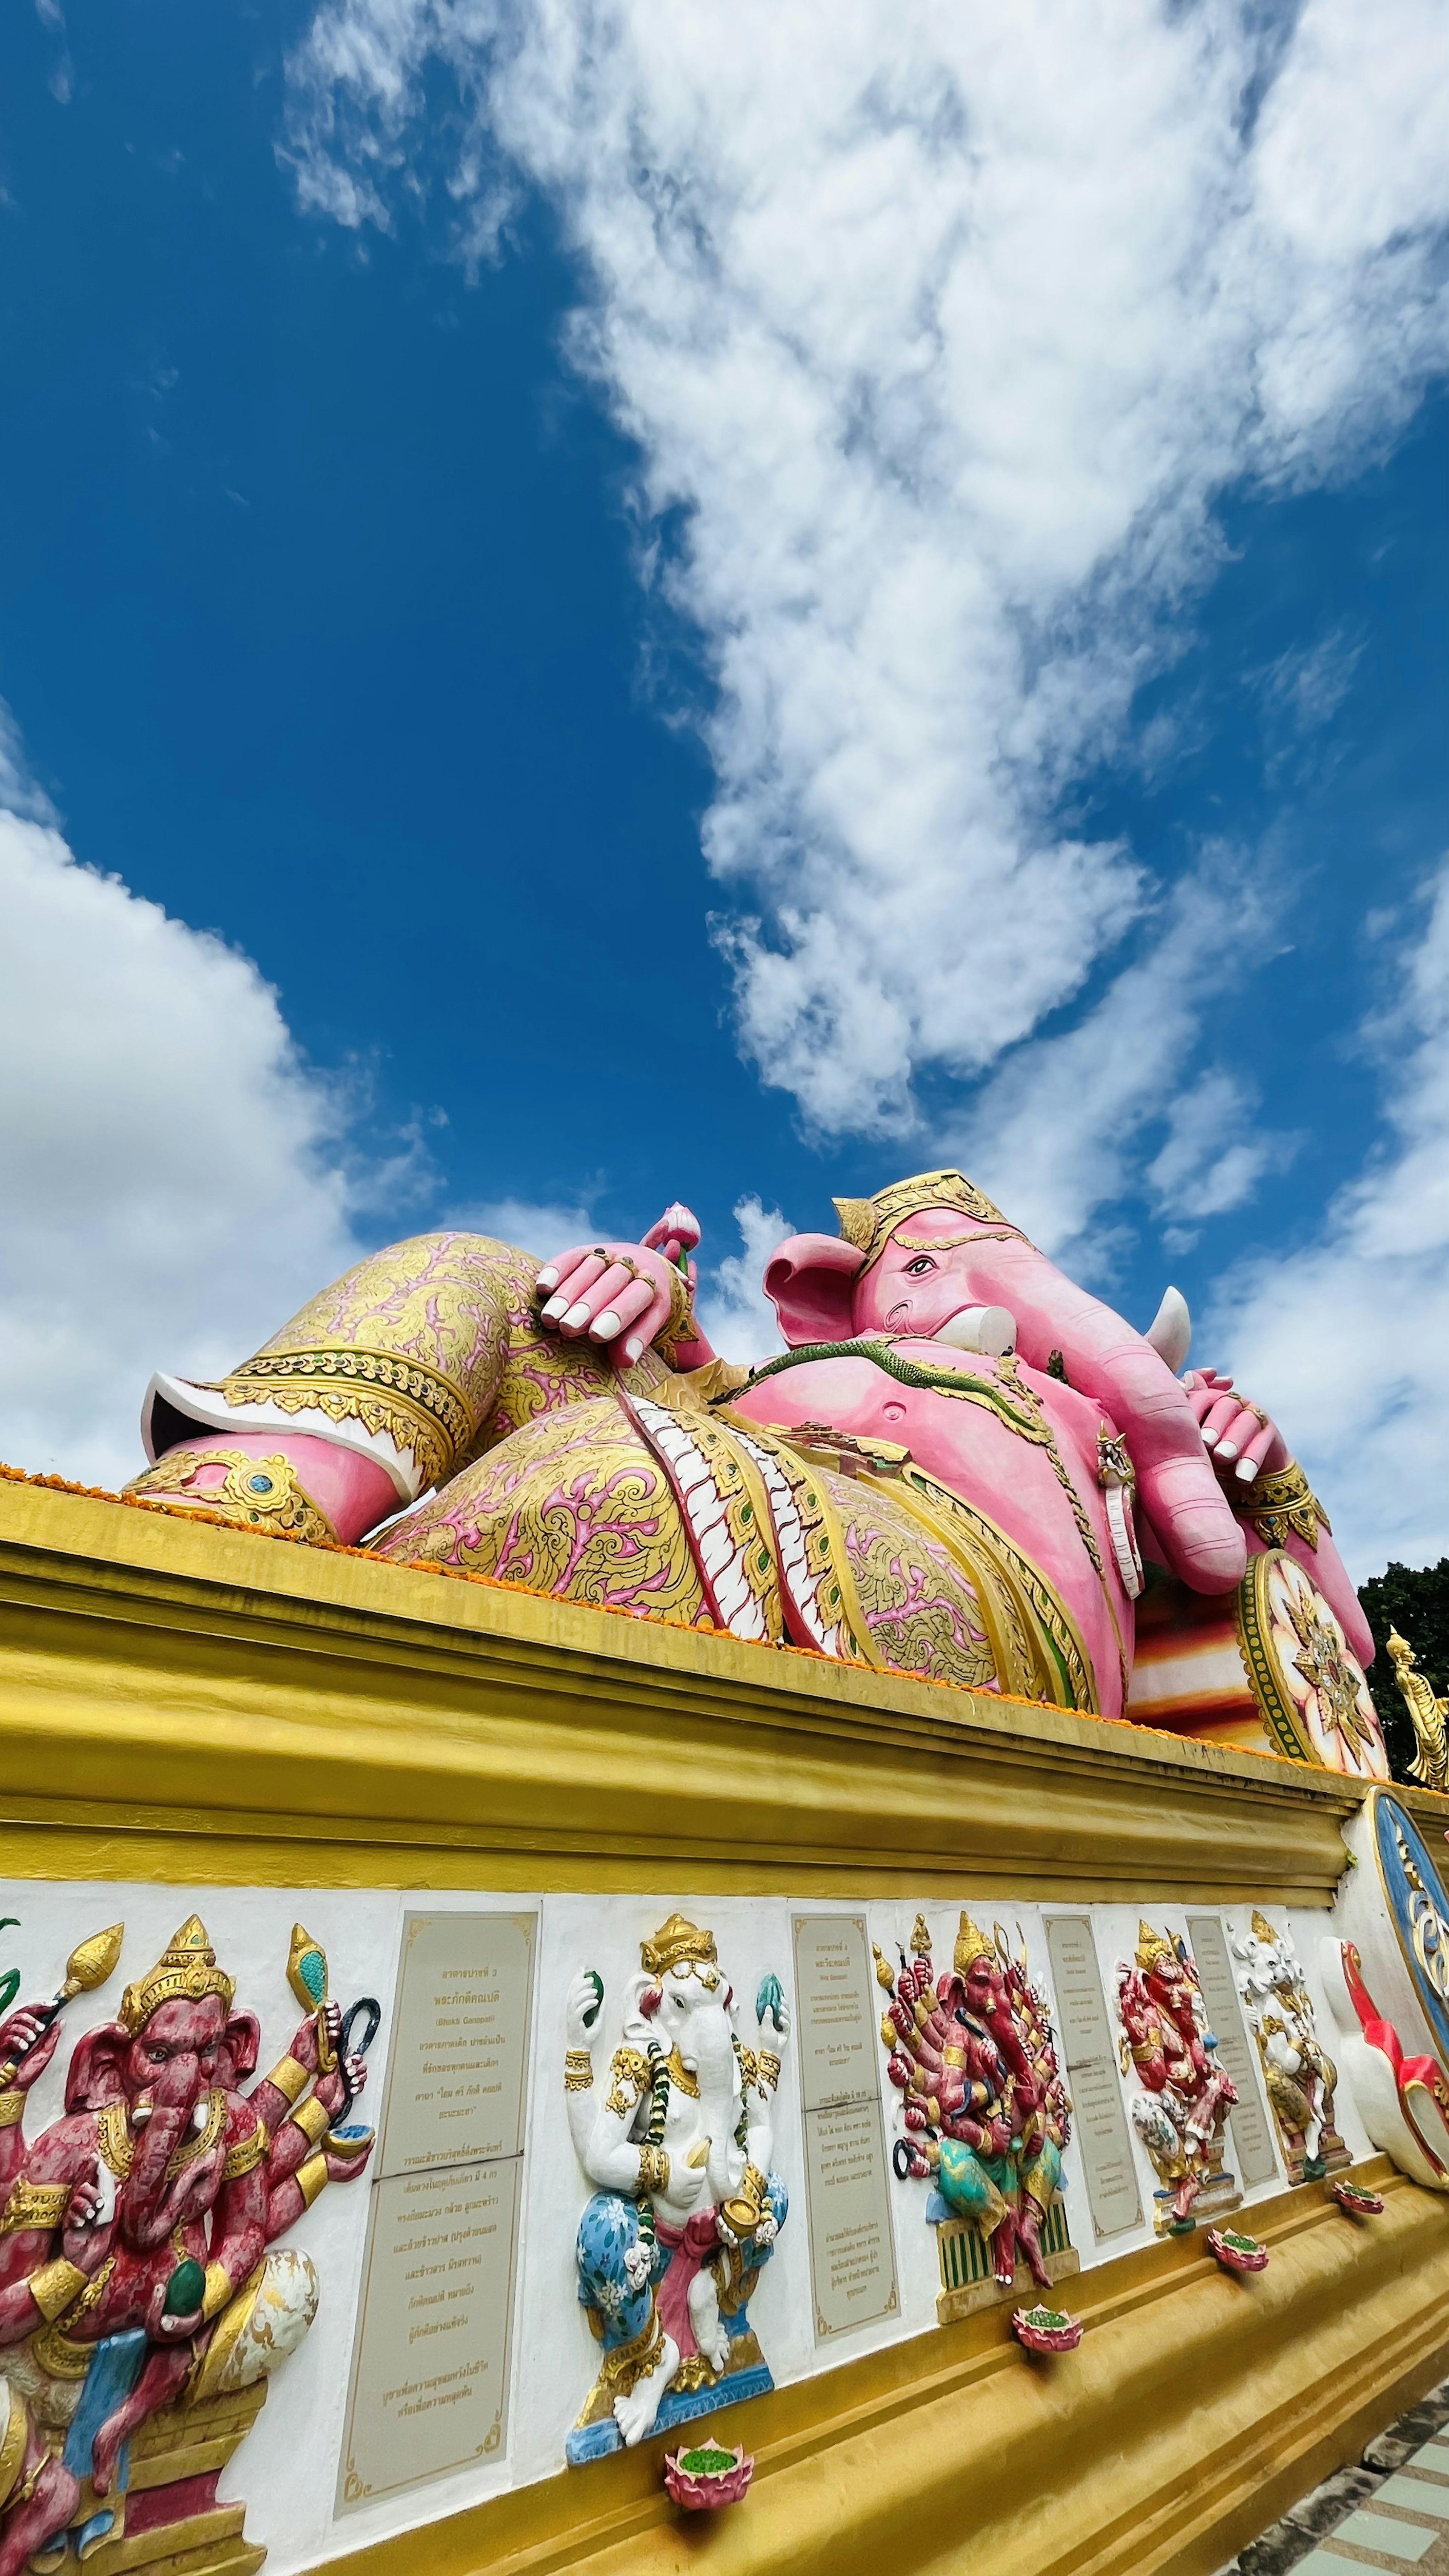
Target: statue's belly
704,1521
1042,1492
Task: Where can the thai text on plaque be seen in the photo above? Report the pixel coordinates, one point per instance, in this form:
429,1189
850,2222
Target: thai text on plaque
431,2355
852,2248
1091,2060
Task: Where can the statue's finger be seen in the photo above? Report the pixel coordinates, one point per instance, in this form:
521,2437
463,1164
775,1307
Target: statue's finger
625,1304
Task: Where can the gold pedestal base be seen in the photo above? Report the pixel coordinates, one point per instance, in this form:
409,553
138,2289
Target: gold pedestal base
181,2443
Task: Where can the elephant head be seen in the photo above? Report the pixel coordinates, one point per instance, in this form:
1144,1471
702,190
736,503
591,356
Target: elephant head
932,1259
681,1999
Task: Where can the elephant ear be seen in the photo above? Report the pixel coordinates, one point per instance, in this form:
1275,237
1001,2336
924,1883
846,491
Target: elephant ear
243,2040
810,1282
93,2077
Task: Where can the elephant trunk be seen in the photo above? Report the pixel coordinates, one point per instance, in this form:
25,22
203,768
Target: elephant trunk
144,2205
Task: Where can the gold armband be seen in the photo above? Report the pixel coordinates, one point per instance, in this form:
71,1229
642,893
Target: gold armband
217,2292
290,2079
12,2108
768,2075
653,2169
311,2178
247,2154
312,2120
54,2286
578,2070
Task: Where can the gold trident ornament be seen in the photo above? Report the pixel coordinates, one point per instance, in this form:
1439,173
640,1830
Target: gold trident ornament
89,1965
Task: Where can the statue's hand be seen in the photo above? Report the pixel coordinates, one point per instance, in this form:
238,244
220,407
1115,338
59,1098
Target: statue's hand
1238,1433
638,2264
16,2034
582,2005
772,2015
617,1292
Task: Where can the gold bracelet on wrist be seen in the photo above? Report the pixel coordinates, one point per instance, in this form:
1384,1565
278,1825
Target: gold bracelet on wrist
311,2178
767,2074
653,2168
578,2070
290,2079
1283,1501
217,2292
312,2120
12,2108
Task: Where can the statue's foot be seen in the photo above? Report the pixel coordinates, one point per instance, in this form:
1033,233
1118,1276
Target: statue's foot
635,2411
710,2331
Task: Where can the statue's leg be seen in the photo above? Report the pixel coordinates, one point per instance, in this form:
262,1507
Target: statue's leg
1038,2189
617,2272
44,2513
375,1391
166,2367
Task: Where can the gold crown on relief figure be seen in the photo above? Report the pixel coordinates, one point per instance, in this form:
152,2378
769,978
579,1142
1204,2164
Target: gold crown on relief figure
1263,1928
676,1944
187,1966
971,1944
1152,1947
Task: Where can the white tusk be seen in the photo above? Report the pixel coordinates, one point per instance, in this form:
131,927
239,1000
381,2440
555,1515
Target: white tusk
991,1330
1170,1331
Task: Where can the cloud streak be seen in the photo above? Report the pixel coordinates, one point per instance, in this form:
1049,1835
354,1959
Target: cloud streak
938,334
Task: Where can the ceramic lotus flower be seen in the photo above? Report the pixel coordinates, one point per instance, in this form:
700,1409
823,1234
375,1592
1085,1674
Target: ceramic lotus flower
703,2479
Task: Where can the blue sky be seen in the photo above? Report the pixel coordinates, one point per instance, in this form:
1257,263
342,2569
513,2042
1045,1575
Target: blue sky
365,608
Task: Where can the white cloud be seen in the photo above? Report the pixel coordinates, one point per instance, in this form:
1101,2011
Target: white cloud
171,1172
1348,1339
1057,1131
733,1307
541,1227
938,330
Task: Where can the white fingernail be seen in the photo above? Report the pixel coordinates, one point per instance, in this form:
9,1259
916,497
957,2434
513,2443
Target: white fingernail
556,1306
547,1277
577,1314
606,1325
1227,1448
1209,1438
1247,1469
633,1348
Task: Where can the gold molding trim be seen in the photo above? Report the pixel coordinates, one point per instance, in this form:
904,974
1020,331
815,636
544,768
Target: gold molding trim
350,1723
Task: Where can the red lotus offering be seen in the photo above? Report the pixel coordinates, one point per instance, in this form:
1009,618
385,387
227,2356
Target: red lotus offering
703,2480
1358,2203
1237,2253
1046,2329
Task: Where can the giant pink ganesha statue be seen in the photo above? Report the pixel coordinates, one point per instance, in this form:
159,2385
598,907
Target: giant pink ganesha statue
955,1469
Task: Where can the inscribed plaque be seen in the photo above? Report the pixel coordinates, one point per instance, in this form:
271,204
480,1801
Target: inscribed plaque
430,2363
852,2251
1090,2051
1252,2139
430,2356
460,2041
836,2021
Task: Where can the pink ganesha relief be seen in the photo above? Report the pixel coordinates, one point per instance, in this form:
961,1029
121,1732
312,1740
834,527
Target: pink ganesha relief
958,1466
140,2262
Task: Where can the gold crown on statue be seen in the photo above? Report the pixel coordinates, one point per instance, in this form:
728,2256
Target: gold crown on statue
187,1966
870,1223
1152,1948
1263,1928
677,1944
971,1944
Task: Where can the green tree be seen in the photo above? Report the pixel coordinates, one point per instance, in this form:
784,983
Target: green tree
1415,1600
